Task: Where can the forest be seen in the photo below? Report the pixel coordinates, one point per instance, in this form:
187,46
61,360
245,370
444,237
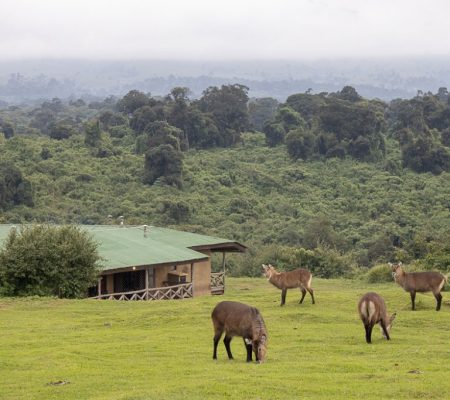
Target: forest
331,181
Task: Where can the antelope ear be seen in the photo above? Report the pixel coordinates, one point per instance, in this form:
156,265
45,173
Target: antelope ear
400,264
265,266
393,316
390,264
263,339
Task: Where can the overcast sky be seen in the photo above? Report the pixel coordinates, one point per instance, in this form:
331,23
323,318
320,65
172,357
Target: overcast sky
223,29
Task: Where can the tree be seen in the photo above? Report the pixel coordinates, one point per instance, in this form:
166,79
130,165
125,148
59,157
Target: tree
7,129
160,132
14,189
55,105
289,118
133,100
307,105
261,110
144,116
228,108
61,131
300,143
422,154
92,133
275,133
349,93
163,161
109,119
48,260
201,131
42,120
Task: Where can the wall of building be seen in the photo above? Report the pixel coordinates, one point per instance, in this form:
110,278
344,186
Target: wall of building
161,273
202,277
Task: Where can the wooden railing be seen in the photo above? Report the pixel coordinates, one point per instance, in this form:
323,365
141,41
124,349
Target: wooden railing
217,282
183,291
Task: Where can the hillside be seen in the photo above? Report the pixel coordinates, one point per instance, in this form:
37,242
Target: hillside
251,193
335,181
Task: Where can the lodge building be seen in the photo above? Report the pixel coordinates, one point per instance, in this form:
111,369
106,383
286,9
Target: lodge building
150,263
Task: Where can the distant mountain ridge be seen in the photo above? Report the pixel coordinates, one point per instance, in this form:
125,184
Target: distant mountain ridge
30,80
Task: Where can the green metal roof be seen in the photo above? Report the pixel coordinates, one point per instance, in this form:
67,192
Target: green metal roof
126,246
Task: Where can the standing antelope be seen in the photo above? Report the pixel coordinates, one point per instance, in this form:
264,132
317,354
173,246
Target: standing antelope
238,319
372,310
412,282
287,280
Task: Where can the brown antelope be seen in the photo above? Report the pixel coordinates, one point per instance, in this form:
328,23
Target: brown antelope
287,280
372,310
238,319
413,282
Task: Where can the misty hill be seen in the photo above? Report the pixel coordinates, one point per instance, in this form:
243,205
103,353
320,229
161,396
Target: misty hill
386,79
340,178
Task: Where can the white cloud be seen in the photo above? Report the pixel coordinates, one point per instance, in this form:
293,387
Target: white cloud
228,29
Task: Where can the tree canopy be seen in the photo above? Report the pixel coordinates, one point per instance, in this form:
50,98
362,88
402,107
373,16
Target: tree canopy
48,260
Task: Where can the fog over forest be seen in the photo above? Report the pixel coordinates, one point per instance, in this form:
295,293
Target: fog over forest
384,78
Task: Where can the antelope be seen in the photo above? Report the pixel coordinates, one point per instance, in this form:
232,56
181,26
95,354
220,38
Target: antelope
413,282
287,280
238,319
372,310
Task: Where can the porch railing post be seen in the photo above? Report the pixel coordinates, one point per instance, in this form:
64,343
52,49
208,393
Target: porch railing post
146,283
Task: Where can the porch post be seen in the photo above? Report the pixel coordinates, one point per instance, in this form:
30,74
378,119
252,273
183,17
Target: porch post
146,283
192,278
99,286
223,270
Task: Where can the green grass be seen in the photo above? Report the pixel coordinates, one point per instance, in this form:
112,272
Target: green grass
163,350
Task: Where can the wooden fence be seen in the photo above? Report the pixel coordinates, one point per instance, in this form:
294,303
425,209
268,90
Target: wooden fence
183,291
217,282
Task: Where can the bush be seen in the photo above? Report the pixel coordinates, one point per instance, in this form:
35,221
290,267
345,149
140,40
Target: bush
48,260
322,262
378,274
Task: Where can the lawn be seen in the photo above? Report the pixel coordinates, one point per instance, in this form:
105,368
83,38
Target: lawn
163,350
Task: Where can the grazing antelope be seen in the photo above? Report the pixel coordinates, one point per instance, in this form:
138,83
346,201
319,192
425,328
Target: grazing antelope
372,310
238,319
413,282
287,280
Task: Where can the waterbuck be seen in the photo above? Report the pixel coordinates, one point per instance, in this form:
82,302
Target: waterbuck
238,319
372,310
413,282
287,280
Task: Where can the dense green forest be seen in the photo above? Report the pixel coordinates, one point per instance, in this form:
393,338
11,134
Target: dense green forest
332,181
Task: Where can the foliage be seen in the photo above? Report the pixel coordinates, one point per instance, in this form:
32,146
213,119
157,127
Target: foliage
228,108
261,110
323,262
92,133
163,161
420,124
14,189
355,195
275,133
378,274
7,129
133,100
300,143
48,260
333,125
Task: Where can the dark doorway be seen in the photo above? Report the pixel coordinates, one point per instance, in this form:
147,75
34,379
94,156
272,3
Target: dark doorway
129,281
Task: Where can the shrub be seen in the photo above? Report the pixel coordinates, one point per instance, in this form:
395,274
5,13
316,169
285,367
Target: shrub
379,273
48,260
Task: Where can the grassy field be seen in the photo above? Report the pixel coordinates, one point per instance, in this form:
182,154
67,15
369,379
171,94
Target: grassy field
163,350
